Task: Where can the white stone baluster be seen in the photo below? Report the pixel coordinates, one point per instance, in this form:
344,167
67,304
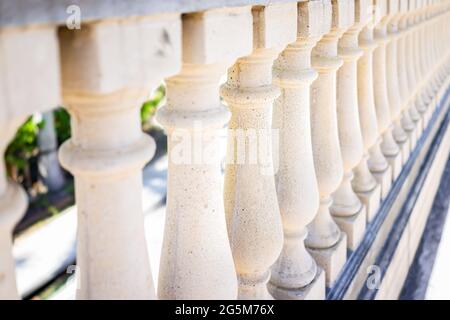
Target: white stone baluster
196,261
392,78
404,73
437,54
446,46
422,98
325,241
347,209
295,274
433,52
29,82
251,207
388,145
441,53
431,63
108,70
373,159
416,99
13,203
428,90
411,117
424,57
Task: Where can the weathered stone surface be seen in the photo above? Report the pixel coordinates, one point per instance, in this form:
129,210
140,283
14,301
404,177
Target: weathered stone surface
295,274
104,87
196,260
251,205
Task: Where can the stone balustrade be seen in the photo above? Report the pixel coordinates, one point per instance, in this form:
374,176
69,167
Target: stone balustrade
327,105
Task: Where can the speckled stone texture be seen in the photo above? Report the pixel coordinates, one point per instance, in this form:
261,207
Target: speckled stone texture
295,273
251,206
29,83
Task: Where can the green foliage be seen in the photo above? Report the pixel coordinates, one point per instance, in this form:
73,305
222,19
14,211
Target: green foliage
62,124
148,109
23,146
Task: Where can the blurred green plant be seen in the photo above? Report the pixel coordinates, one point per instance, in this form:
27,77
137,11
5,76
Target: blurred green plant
149,108
62,124
24,146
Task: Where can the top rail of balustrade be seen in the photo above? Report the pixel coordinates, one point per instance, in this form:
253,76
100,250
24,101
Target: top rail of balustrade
17,13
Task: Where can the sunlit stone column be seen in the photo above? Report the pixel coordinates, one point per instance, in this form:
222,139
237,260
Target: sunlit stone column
446,23
414,69
389,147
295,274
405,73
196,260
373,161
442,45
416,100
431,60
392,79
416,30
433,56
107,72
427,95
348,210
438,53
13,203
29,82
251,207
445,48
443,51
431,86
436,59
325,241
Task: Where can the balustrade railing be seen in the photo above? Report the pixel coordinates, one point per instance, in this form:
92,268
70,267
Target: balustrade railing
324,101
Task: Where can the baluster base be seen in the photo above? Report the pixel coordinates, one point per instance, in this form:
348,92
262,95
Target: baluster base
313,291
353,226
13,204
371,199
427,115
417,133
404,152
395,161
332,259
406,147
384,179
